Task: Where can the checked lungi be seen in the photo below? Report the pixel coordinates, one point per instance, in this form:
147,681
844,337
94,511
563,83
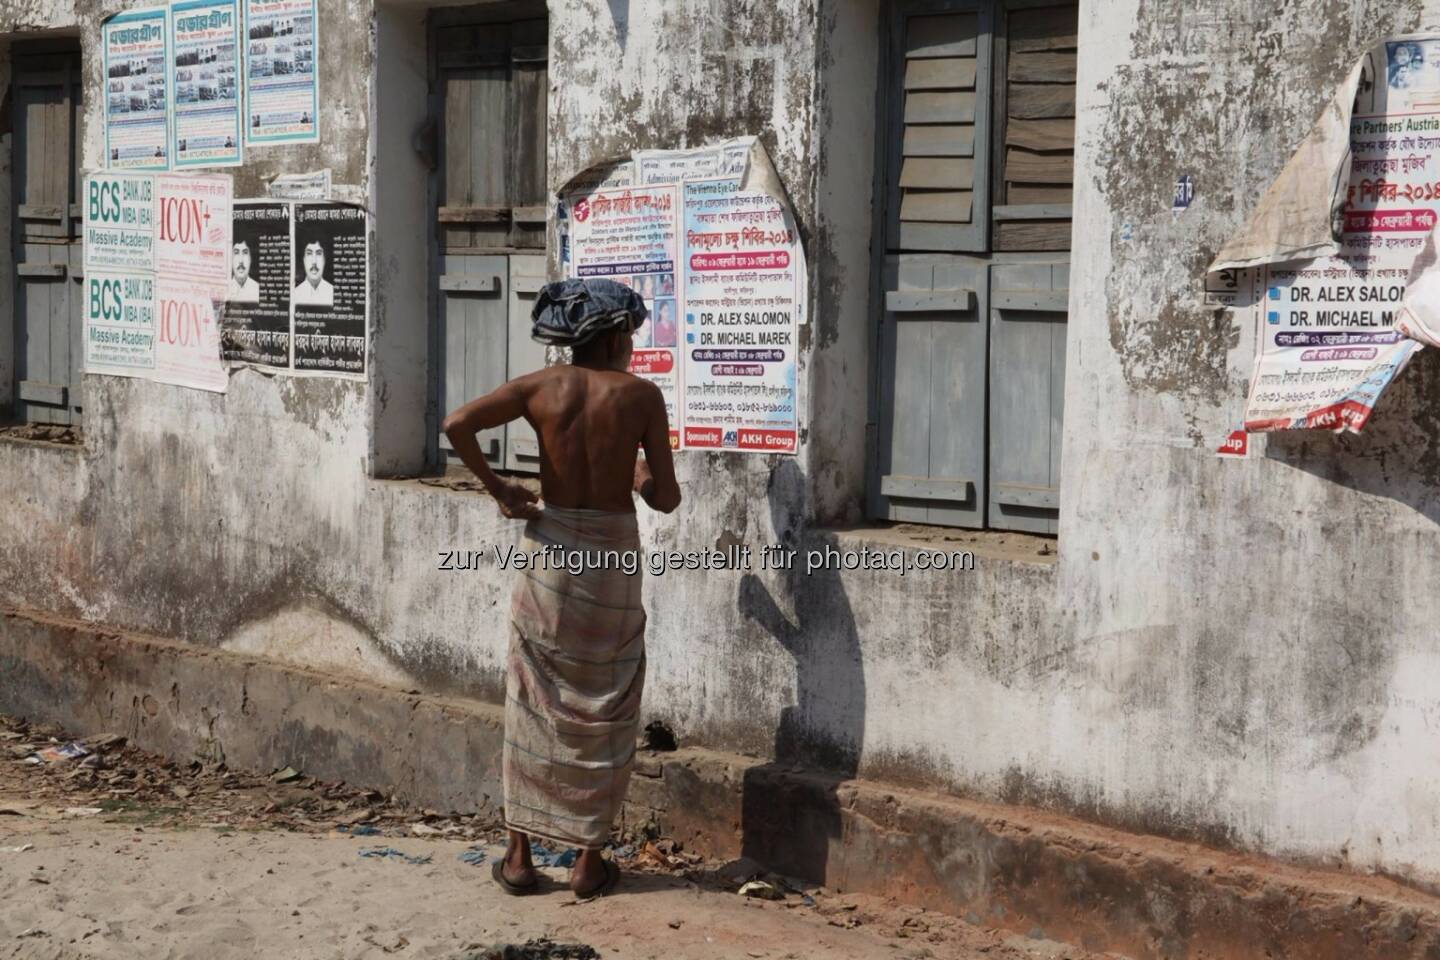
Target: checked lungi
574,675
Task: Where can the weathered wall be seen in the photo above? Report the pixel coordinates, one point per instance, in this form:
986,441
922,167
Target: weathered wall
1251,646
1154,678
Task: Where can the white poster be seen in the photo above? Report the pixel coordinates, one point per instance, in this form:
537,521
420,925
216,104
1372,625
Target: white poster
281,90
628,234
205,81
741,291
187,336
193,219
707,238
119,323
119,220
137,97
157,255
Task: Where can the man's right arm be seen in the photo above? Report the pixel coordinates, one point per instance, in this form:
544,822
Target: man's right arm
499,406
655,475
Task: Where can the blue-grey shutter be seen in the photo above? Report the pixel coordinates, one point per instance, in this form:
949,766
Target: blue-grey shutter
1028,312
474,311
938,111
46,233
524,355
930,463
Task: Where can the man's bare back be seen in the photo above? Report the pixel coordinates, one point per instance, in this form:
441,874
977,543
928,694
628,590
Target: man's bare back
591,416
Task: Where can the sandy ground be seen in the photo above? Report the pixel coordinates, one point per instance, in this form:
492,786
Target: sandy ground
122,854
94,889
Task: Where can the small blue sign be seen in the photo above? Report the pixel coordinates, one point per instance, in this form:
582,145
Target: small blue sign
1275,293
1184,192
1273,316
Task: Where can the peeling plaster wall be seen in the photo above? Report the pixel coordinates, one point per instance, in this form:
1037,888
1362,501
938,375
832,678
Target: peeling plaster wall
1252,644
1208,659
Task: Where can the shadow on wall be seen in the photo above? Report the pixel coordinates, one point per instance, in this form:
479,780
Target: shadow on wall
620,17
1396,456
823,731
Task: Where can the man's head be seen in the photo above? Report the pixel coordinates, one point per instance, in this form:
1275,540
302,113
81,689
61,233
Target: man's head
314,260
610,350
240,262
594,318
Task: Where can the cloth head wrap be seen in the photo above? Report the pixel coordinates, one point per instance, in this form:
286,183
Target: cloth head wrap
571,312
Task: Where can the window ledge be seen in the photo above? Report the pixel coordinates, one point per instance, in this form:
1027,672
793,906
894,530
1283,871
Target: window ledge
54,437
987,544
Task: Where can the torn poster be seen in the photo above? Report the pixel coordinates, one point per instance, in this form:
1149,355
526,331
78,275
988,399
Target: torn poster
1335,238
331,275
708,238
314,185
187,340
137,132
204,36
256,322
281,93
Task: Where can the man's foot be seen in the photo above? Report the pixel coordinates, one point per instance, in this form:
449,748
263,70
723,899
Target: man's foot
516,872
593,875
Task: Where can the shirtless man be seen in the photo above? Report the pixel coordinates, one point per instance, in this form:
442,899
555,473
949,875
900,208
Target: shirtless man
590,416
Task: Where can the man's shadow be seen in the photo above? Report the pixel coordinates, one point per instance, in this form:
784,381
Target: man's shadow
790,809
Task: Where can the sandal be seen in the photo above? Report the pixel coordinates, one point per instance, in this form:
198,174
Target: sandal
612,877
514,889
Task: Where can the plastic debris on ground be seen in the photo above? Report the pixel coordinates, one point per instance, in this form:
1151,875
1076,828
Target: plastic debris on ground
23,848
762,890
362,830
543,949
387,853
545,857
288,775
65,751
475,856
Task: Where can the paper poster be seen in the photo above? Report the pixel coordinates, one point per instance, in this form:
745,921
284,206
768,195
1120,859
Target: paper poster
629,235
187,337
157,255
192,239
729,159
281,90
314,185
1328,341
330,275
204,37
137,133
119,219
119,323
706,237
256,324
741,314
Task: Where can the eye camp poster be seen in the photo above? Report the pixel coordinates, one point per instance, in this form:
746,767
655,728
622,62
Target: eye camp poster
1333,326
721,268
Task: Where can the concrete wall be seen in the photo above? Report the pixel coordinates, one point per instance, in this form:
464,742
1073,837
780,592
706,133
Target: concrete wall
1250,646
1155,678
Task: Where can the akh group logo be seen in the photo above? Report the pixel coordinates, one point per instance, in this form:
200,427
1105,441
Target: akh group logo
731,439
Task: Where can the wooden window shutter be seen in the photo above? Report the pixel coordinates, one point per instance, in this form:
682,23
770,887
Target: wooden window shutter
939,106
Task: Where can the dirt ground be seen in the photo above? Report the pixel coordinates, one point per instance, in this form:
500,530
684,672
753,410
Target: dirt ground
115,853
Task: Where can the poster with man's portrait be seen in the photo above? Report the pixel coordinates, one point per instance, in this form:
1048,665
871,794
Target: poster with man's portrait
255,325
328,287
